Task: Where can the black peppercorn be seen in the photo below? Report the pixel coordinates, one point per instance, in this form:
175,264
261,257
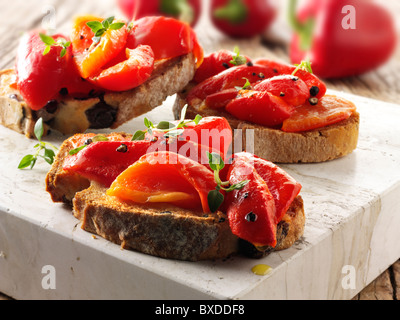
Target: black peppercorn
88,141
225,65
313,101
251,217
123,148
249,64
314,91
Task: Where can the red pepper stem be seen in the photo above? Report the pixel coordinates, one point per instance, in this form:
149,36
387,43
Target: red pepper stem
178,8
304,30
234,12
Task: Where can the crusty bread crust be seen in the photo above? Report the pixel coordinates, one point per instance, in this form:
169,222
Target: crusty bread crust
109,110
319,145
163,231
160,230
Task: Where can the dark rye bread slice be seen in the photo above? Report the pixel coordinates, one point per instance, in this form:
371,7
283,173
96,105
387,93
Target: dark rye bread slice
319,145
171,232
109,110
161,230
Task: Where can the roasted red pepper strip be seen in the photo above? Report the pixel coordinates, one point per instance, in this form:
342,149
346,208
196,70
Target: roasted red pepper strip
329,110
255,210
128,74
260,107
39,76
282,186
165,177
251,210
285,69
291,89
236,76
168,38
215,63
103,161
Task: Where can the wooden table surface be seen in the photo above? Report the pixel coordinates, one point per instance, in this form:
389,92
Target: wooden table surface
382,84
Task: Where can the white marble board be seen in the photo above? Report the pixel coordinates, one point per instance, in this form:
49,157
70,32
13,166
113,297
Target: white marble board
351,234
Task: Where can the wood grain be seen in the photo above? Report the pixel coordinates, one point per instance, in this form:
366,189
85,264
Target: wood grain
18,16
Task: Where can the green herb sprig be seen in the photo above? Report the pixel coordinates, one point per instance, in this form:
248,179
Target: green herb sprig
304,65
168,128
49,149
99,28
247,85
97,138
238,59
215,198
50,42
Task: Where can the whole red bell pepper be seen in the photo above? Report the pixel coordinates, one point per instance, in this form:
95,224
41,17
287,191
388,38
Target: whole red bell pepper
185,10
242,18
341,37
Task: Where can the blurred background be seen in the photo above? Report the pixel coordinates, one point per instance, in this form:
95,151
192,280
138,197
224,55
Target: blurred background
363,59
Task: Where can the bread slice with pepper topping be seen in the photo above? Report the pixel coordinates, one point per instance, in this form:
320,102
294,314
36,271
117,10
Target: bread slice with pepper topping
284,110
161,229
101,76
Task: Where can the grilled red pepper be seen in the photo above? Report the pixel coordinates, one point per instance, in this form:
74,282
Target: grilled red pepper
260,107
185,10
236,76
242,18
289,88
316,86
103,161
39,76
167,37
341,37
165,177
255,210
217,62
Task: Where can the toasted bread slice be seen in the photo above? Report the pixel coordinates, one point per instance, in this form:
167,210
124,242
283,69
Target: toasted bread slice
319,145
161,230
109,110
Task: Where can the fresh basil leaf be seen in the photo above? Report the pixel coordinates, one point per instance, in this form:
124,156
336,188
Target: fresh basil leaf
99,32
63,52
77,150
215,199
46,39
148,123
26,161
116,25
99,137
197,119
139,135
238,60
46,50
215,161
49,153
39,129
165,125
109,20
94,25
